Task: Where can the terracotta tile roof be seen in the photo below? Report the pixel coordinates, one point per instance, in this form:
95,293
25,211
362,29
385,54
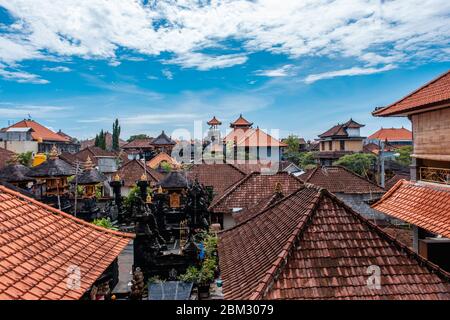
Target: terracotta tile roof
163,139
5,157
132,171
394,179
139,143
252,138
220,176
339,179
39,244
310,245
340,130
64,135
392,134
424,205
214,122
39,131
161,157
241,122
262,204
434,93
255,187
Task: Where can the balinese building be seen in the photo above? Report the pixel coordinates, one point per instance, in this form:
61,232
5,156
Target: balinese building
139,149
356,191
396,137
255,189
132,171
160,160
425,201
50,255
16,174
51,176
216,177
163,143
29,135
311,245
246,144
340,140
106,161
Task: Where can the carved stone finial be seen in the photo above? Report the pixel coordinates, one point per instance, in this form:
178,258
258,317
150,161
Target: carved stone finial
144,177
89,165
53,153
117,177
278,188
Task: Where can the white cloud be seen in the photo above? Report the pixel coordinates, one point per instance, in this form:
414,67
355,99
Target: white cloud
167,74
57,69
206,62
355,71
20,76
12,110
283,71
367,30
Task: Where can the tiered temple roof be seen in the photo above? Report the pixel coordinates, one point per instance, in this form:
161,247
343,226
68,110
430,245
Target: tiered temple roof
15,172
162,140
310,245
52,167
241,123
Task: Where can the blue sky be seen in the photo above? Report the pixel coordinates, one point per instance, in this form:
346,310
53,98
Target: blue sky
297,67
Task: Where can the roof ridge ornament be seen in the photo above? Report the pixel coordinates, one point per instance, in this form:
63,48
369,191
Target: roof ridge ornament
53,155
88,165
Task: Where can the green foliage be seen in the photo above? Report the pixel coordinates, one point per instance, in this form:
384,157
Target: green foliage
25,158
405,155
138,136
359,163
292,144
100,140
302,159
115,135
166,167
205,273
105,223
155,279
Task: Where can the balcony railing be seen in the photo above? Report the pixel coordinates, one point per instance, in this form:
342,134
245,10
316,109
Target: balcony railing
436,175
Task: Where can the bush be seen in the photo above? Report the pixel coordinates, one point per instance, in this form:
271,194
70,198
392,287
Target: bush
359,163
405,155
104,223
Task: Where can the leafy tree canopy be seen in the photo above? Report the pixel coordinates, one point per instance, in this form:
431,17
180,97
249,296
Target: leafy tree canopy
359,163
138,136
405,155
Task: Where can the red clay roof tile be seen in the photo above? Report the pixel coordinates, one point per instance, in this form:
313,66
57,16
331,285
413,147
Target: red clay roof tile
39,131
338,179
434,93
310,245
255,187
392,134
220,176
39,243
424,205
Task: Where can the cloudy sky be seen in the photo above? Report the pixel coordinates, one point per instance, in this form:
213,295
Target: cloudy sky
299,66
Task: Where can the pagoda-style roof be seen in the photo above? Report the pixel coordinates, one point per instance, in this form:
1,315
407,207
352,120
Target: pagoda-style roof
163,139
5,157
15,173
340,130
214,122
90,175
175,180
241,122
52,167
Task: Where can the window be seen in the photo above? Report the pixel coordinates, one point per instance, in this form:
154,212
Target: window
342,145
330,145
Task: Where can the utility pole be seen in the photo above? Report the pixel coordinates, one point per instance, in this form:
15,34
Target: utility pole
381,155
